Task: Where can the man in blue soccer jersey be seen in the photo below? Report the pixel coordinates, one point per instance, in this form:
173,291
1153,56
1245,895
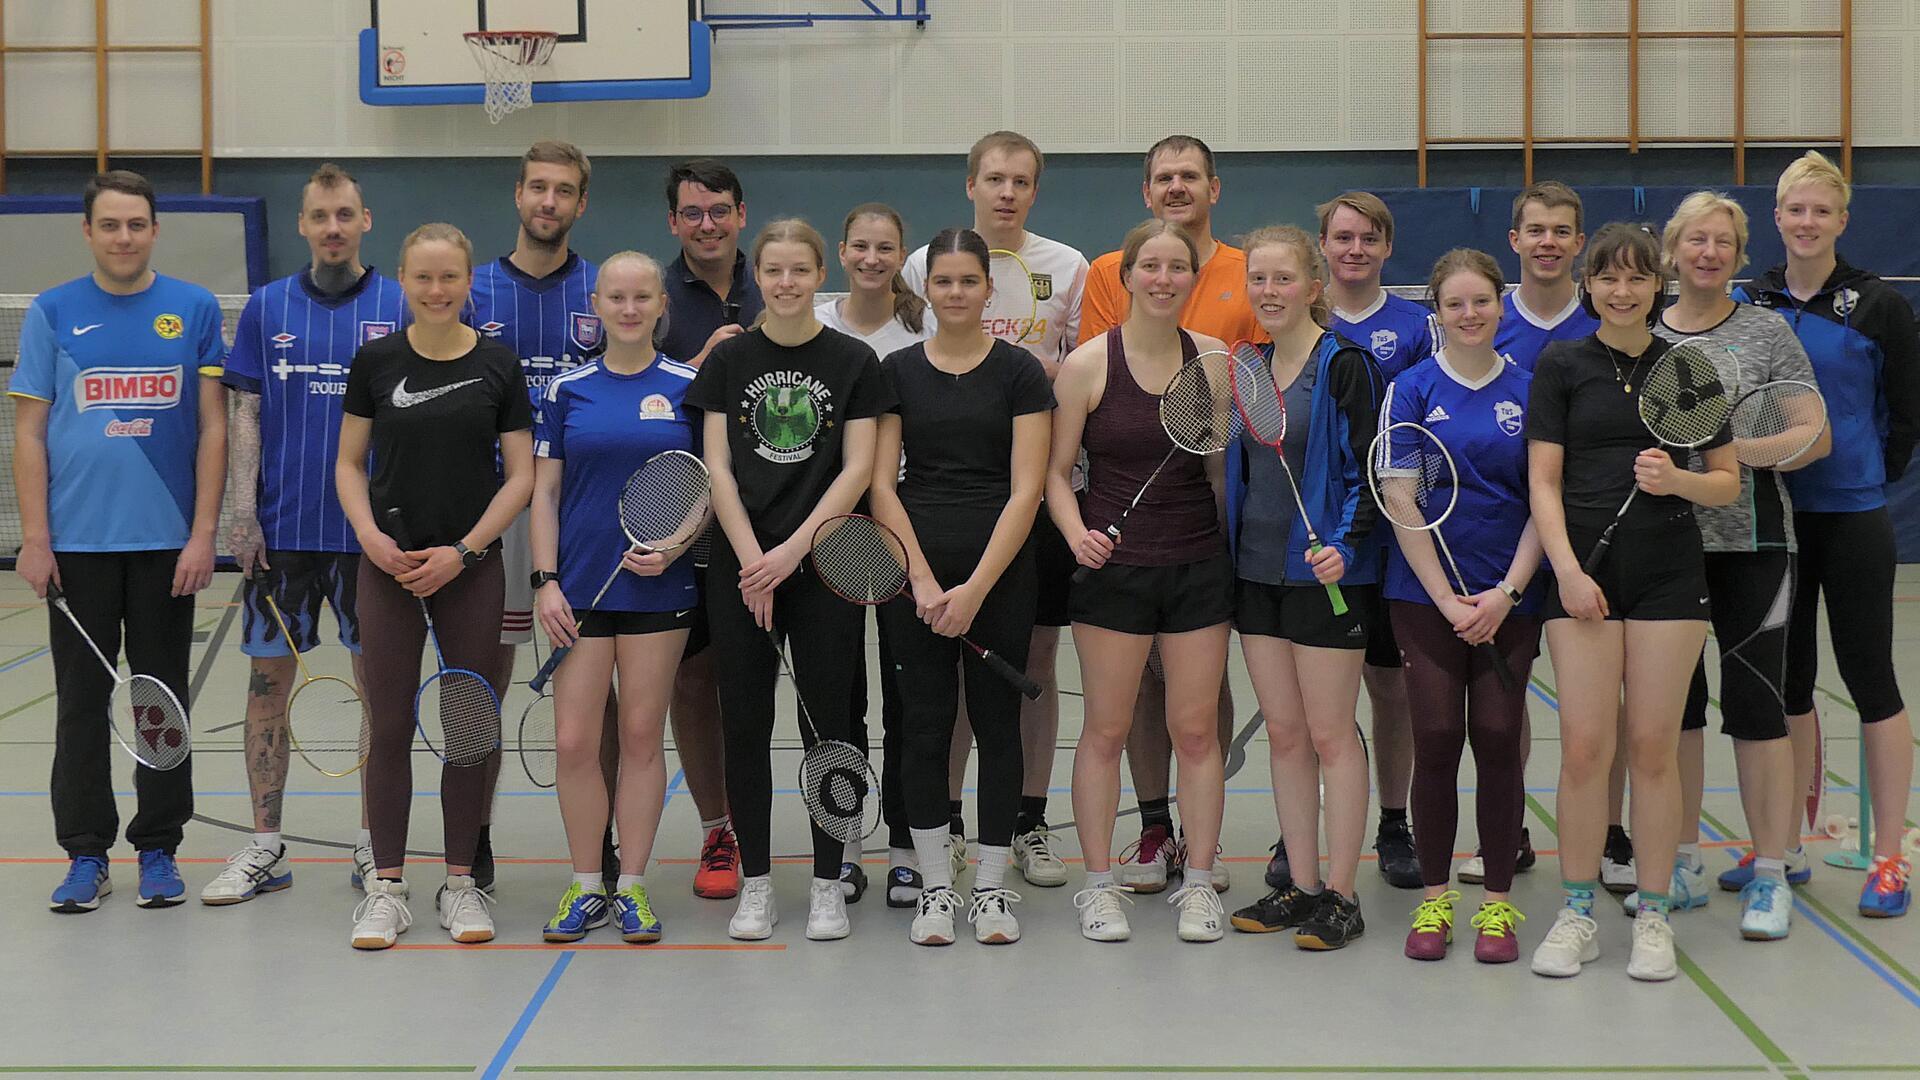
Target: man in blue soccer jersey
288,368
119,457
1356,236
1548,236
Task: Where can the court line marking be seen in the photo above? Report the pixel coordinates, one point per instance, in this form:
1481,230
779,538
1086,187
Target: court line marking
1179,1070
25,658
504,1055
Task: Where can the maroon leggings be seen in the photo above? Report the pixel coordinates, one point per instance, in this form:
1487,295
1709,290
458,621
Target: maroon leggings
1455,696
466,616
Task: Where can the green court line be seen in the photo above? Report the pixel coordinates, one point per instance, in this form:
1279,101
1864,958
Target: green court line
281,1070
25,705
21,611
1844,782
24,655
1159,1070
1864,1068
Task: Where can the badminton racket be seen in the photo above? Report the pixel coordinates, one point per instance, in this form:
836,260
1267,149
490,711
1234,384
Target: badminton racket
455,709
147,719
1263,412
327,719
837,782
1776,422
1014,282
537,736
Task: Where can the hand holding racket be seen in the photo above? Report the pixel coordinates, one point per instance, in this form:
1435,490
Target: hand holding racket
1195,411
327,720
456,709
863,562
1263,411
1414,480
147,720
1684,404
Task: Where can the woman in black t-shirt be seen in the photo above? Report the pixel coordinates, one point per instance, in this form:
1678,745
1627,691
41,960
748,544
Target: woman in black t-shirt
790,409
432,403
974,416
1642,618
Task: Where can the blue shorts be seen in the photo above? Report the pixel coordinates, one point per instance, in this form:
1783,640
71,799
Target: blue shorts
301,581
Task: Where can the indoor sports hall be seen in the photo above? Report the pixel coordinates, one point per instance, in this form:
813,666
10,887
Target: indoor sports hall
1007,138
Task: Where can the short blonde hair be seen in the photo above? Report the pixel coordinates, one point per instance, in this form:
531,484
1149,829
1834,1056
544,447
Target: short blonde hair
1813,167
1698,205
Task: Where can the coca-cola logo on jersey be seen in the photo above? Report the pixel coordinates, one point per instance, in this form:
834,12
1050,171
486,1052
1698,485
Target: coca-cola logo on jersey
127,388
130,429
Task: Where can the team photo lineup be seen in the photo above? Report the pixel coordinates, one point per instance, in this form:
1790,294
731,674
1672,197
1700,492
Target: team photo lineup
684,483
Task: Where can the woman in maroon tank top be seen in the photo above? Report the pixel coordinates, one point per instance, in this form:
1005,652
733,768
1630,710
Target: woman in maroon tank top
1167,575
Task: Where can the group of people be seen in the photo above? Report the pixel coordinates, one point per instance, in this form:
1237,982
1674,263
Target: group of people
993,398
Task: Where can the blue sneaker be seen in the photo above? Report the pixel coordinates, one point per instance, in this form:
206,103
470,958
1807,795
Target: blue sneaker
1799,871
633,915
160,884
1887,894
86,883
579,912
1766,909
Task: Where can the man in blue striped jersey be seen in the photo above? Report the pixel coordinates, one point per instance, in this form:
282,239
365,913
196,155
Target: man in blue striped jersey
295,342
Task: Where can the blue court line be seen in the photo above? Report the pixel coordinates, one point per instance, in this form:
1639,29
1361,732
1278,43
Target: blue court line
1809,915
673,787
27,659
504,1055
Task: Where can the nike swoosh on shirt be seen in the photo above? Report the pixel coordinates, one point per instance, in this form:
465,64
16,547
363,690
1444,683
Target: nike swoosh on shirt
79,330
402,399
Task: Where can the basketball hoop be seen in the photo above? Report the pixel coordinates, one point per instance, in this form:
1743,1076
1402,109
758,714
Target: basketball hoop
507,60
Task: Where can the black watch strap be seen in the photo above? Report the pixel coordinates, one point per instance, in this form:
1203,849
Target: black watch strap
541,577
468,556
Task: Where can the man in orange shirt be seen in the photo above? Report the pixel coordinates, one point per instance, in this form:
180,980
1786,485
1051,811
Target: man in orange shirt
1180,187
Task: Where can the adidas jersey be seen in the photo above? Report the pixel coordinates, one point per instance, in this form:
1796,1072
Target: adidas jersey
604,426
1397,332
294,347
1038,311
121,375
1481,423
1522,334
548,322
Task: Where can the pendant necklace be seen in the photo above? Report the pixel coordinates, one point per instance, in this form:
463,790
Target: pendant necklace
1626,380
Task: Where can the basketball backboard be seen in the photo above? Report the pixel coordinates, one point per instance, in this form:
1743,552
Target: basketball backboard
414,53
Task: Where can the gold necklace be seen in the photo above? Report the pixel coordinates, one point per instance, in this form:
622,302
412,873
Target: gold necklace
1625,381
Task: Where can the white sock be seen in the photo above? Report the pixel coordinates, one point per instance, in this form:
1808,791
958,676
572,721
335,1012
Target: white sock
930,845
898,857
268,840
1310,890
851,853
1100,879
628,881
1690,853
751,878
1797,850
1770,868
709,826
992,869
591,881
1197,877
365,839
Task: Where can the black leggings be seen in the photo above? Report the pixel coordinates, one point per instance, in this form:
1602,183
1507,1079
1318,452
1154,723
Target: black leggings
1459,698
1751,592
1848,557
824,636
466,618
925,667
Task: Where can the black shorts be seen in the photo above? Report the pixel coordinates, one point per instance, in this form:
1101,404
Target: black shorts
1303,614
1848,559
1383,649
1157,599
1654,572
1054,564
1752,594
602,624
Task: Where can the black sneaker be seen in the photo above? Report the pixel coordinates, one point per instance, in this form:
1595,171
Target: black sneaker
1527,857
904,885
853,882
1334,924
1616,862
1279,874
483,860
1398,863
609,863
1279,910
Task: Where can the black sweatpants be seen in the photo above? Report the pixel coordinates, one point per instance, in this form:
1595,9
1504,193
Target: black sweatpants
824,637
108,591
925,667
1848,559
893,807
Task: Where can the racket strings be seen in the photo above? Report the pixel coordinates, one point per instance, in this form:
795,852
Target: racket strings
860,561
461,706
329,725
1776,423
1195,407
1684,401
840,790
1256,398
539,754
158,723
665,499
1413,477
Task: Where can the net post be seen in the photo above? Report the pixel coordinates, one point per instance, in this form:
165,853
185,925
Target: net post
1860,857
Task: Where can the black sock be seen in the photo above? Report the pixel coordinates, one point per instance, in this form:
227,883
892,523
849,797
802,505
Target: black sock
1033,814
484,841
1389,816
956,824
1156,812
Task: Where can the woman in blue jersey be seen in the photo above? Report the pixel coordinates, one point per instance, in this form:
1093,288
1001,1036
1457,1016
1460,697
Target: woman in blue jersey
1640,619
1472,400
1303,658
596,425
1859,333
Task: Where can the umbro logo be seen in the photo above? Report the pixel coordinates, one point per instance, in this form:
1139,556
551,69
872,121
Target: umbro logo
402,399
492,329
1438,414
283,340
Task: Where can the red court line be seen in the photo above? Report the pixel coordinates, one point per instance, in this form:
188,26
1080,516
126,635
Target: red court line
535,946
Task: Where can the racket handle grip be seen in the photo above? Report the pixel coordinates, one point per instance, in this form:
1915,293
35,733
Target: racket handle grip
1113,531
1334,596
1500,669
1599,553
1081,574
1014,676
545,675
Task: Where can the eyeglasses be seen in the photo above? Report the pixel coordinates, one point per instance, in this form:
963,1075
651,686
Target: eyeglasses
721,213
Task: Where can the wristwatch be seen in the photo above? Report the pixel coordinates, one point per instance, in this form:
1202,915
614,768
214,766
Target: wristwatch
468,556
541,577
1512,594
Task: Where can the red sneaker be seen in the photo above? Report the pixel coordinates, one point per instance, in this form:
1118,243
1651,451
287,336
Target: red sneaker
1495,940
1432,927
719,875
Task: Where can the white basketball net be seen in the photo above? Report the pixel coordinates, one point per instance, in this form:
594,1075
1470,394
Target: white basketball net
507,60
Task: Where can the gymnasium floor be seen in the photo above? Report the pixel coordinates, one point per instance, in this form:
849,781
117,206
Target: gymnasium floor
271,987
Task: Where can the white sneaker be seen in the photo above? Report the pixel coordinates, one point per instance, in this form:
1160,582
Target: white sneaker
933,918
362,867
382,916
1567,946
1617,877
1687,890
992,917
1766,909
827,912
1652,959
1474,870
1202,916
1221,881
1146,863
250,871
1033,856
1101,917
463,910
957,854
754,918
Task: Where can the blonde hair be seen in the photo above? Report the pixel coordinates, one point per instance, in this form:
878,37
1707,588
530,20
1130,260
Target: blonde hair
1366,204
443,233
787,231
1698,205
1138,236
1813,167
647,264
1465,261
1005,142
1312,263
